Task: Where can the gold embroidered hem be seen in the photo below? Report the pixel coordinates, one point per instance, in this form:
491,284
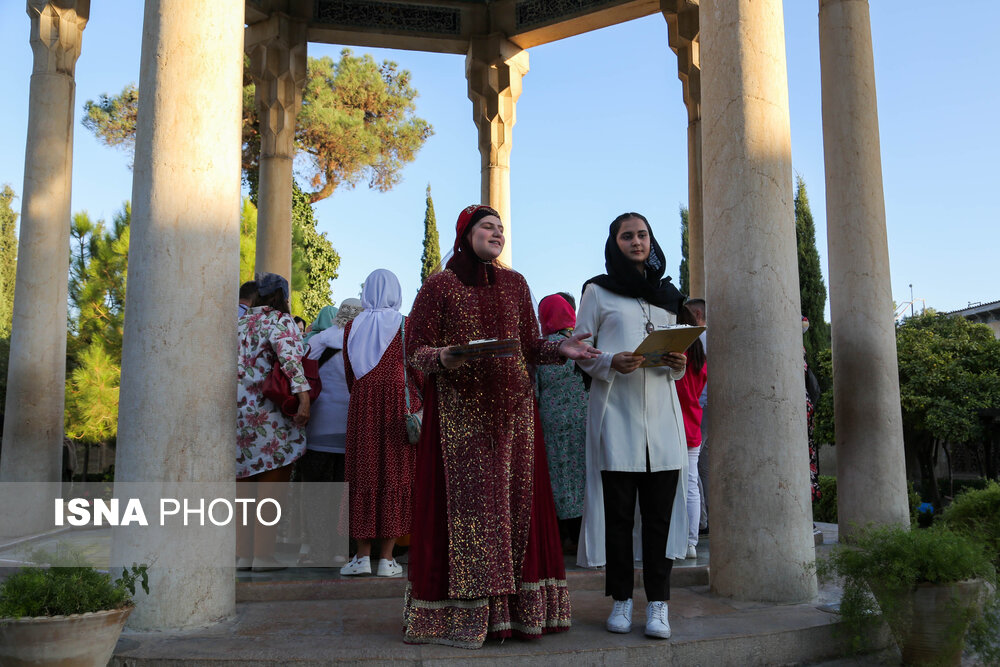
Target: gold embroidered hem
539,608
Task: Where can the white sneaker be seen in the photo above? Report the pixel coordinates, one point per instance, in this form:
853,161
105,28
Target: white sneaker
389,568
656,620
620,619
692,552
356,566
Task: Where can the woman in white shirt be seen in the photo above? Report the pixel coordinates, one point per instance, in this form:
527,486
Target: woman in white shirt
635,432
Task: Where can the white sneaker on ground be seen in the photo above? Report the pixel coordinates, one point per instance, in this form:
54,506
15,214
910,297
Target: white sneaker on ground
357,566
656,620
389,568
620,619
691,552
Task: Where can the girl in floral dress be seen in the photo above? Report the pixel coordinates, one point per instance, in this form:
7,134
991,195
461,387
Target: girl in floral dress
267,441
562,404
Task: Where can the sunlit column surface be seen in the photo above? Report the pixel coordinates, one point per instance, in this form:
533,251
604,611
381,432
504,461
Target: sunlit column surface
277,50
871,472
494,68
177,413
762,544
36,376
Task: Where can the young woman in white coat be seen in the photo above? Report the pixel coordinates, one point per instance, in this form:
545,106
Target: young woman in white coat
635,432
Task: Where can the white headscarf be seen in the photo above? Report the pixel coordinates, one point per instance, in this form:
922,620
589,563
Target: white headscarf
375,326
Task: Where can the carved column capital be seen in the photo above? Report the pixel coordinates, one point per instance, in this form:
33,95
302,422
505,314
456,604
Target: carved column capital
683,20
277,50
494,67
57,34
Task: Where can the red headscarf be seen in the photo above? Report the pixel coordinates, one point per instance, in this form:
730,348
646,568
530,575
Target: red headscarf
556,314
464,263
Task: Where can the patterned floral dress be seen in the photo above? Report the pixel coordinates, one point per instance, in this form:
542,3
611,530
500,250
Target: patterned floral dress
265,438
379,457
562,402
485,558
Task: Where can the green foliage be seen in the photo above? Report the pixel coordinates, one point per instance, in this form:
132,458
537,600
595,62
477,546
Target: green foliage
8,259
823,416
976,513
812,291
884,563
314,259
318,262
358,121
55,591
248,239
684,276
825,509
431,256
92,396
949,369
112,118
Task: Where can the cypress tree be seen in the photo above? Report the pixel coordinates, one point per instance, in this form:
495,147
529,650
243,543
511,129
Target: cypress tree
812,291
432,245
683,276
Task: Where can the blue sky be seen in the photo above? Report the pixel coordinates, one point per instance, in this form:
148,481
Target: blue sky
601,128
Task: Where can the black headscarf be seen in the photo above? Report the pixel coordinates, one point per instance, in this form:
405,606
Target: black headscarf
622,278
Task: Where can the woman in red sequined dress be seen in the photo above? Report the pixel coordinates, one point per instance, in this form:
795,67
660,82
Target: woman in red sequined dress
485,557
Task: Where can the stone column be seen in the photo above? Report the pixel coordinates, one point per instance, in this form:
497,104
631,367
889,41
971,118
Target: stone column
682,17
494,67
696,232
36,377
871,471
762,543
277,50
178,390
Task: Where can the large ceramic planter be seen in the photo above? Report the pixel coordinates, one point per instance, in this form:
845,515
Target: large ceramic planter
930,621
79,640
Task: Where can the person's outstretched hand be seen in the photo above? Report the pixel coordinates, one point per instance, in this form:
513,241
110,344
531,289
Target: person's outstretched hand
574,348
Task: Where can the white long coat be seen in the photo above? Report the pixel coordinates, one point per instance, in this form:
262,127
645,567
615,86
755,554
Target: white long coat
628,414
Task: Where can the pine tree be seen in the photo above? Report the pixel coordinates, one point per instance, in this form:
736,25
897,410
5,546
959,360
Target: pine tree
684,275
8,259
432,244
811,288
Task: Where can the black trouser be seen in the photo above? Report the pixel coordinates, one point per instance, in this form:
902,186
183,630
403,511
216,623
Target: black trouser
656,500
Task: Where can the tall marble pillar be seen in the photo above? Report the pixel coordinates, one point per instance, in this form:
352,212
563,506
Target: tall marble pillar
494,68
871,471
682,17
762,544
277,50
36,377
178,388
696,225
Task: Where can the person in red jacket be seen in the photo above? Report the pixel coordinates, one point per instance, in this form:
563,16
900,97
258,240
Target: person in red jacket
689,390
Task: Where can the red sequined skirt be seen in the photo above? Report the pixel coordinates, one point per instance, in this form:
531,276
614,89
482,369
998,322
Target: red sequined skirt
541,604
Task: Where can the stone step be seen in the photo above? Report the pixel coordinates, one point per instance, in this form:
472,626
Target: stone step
327,584
707,630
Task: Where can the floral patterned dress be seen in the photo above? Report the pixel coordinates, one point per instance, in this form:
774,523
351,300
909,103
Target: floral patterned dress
562,402
265,438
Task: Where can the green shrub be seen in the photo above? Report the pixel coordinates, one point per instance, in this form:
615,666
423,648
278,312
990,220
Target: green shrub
976,513
54,591
825,509
882,563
